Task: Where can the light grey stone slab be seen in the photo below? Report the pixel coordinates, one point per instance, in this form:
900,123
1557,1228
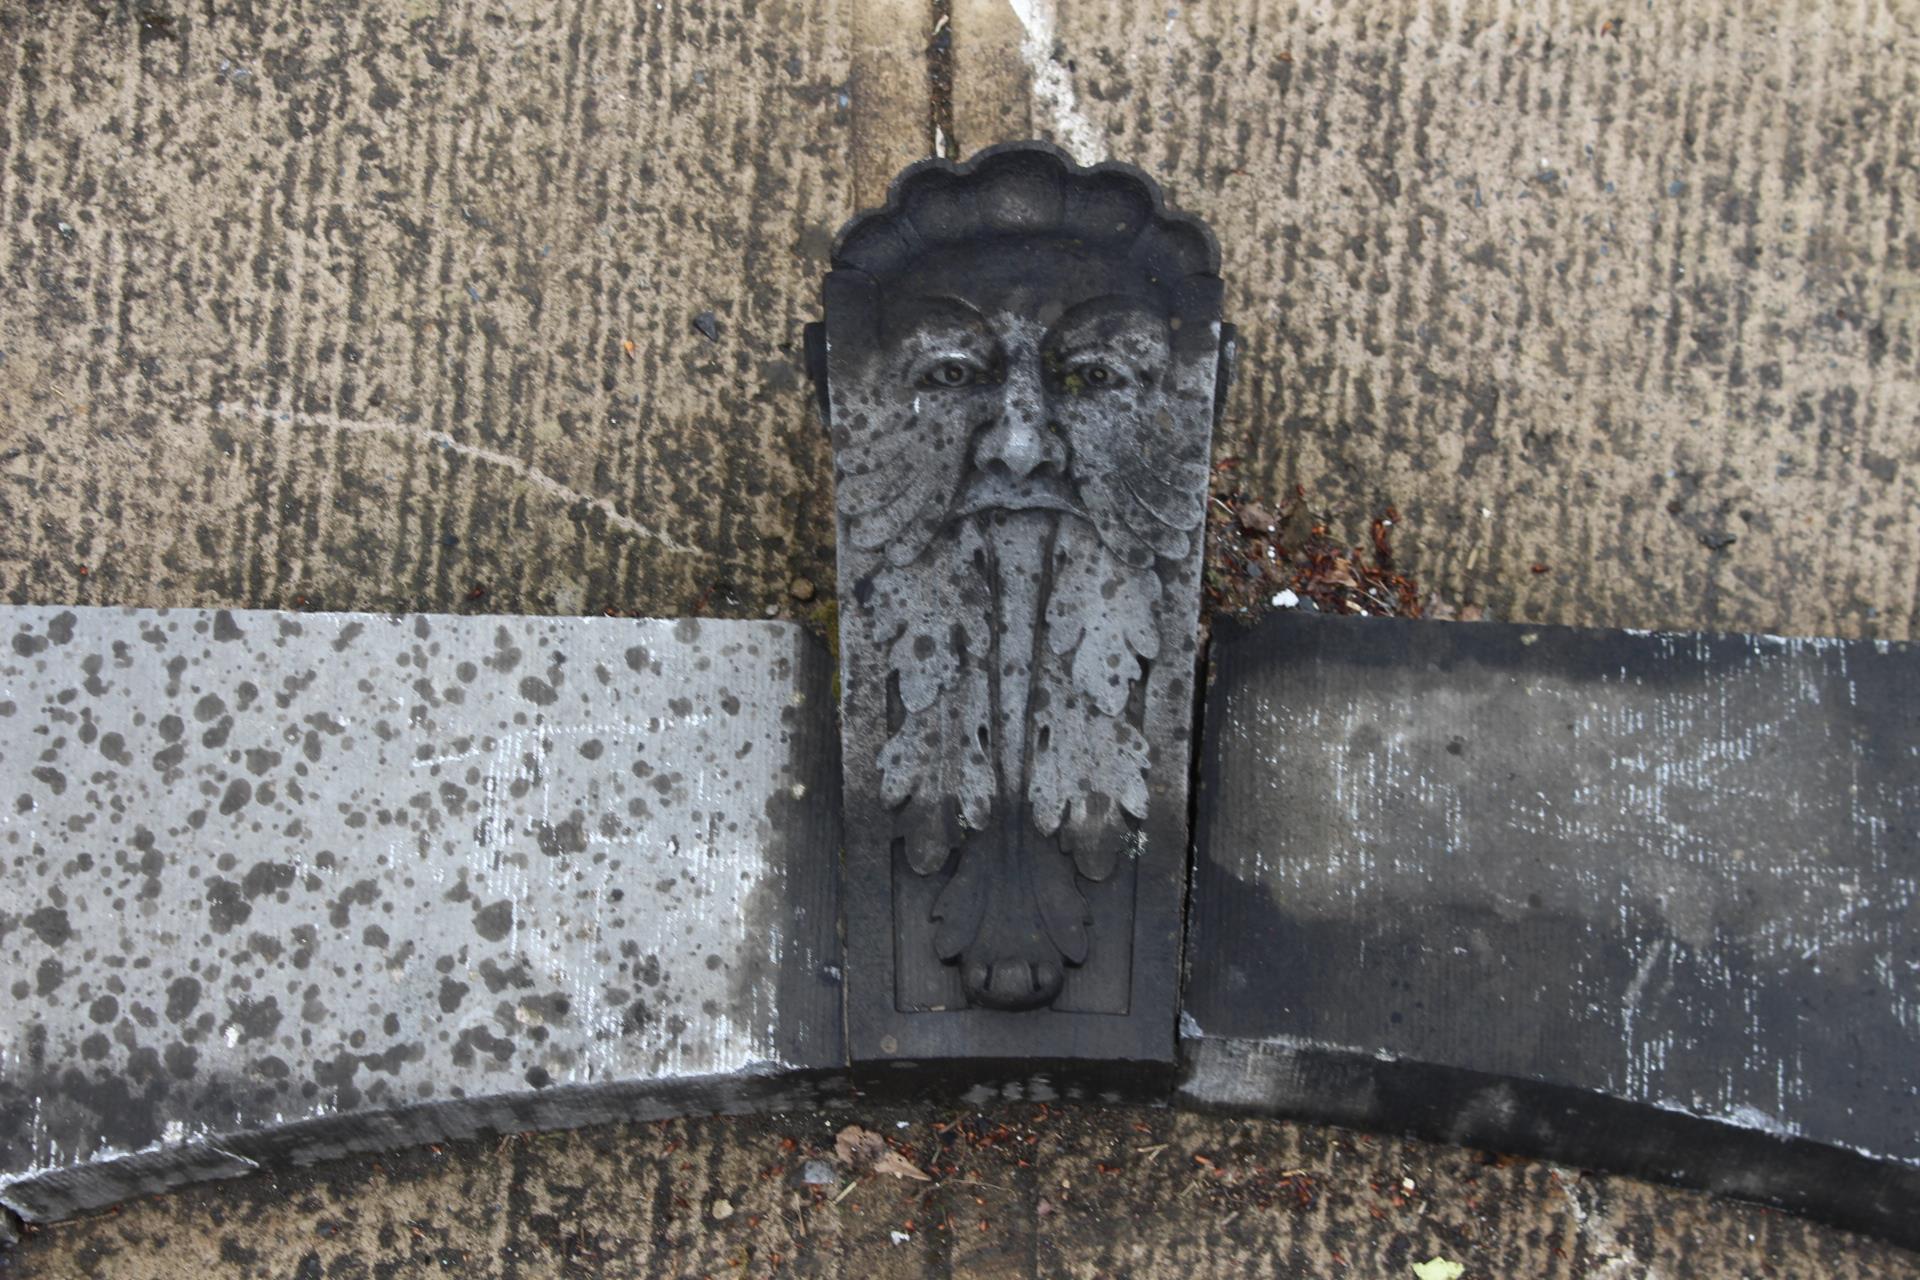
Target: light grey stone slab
279,886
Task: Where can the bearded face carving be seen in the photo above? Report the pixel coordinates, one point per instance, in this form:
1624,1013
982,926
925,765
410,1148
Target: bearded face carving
1020,362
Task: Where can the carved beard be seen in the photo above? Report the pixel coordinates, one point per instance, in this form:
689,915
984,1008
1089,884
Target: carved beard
1015,643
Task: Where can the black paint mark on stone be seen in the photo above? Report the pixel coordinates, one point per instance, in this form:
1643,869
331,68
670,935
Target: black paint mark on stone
51,925
227,905
495,921
183,996
255,1019
235,798
560,838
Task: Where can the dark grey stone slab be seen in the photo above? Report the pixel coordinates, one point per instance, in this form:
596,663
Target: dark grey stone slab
1636,901
1019,361
283,886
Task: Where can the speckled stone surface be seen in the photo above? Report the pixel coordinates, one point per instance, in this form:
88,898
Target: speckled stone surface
282,886
1643,902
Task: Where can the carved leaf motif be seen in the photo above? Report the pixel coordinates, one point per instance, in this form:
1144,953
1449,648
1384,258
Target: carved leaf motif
895,486
1088,767
962,905
1062,907
1100,611
936,767
985,901
1089,762
1146,486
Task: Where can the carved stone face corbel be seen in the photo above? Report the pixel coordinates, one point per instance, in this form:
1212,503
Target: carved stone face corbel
1020,366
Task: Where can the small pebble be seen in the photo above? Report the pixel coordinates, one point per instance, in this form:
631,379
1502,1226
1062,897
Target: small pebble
817,1173
708,326
802,588
722,1210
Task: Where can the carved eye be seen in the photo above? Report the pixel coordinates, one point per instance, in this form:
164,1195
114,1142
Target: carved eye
950,373
1092,375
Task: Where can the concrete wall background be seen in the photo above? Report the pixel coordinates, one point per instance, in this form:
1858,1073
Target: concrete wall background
325,304
1574,285
364,306
329,303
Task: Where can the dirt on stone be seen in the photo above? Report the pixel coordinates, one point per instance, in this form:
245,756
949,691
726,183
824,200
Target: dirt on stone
1264,554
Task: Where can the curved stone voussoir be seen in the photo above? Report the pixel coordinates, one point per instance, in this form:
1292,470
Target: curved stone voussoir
287,886
1629,901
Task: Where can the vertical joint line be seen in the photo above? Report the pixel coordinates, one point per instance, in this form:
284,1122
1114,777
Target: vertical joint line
940,139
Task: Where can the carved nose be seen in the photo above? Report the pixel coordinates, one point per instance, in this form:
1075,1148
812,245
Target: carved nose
1020,441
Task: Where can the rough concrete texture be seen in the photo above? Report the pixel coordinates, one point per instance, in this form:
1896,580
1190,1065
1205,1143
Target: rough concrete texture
1642,901
286,885
1022,1190
1580,289
1620,305
223,194
384,306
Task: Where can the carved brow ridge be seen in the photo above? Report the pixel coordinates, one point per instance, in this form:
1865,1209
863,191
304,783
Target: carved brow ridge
1091,323
1094,324
949,309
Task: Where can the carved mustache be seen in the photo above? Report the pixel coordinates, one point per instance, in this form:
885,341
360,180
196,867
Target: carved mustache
1019,463
989,492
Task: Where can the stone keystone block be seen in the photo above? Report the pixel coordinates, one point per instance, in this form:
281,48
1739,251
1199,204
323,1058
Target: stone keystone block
1020,366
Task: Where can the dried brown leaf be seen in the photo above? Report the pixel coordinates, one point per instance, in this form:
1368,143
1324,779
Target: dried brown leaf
892,1162
856,1146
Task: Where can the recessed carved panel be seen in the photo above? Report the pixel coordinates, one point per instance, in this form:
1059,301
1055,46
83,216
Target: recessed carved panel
1020,364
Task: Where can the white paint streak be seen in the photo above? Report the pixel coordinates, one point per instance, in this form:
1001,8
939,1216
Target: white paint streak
1053,93
1630,1009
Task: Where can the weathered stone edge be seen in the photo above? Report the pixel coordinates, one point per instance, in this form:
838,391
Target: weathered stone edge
1362,1089
53,1194
1350,1087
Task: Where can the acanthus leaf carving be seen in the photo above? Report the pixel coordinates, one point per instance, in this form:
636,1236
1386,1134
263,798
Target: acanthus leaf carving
1089,760
935,768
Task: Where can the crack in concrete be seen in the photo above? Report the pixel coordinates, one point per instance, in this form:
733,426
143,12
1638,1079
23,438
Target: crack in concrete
531,474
